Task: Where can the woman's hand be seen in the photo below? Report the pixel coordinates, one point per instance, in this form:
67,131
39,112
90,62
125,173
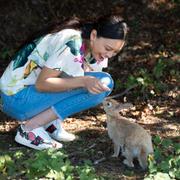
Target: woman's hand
94,85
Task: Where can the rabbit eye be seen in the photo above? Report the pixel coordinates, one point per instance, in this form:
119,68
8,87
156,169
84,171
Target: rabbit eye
109,104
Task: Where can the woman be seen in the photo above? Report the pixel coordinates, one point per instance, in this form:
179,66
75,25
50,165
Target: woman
57,75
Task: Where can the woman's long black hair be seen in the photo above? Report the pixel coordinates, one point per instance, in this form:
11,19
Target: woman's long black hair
109,26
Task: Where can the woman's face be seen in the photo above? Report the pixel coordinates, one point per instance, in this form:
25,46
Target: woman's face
102,48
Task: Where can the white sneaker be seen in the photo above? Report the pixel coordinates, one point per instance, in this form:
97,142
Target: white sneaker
37,139
56,131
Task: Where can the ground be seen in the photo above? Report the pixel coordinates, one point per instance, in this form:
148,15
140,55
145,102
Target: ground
153,34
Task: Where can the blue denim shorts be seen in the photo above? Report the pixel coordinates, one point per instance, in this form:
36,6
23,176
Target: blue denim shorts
29,102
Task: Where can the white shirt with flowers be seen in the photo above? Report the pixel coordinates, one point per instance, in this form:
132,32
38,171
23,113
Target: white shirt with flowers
62,51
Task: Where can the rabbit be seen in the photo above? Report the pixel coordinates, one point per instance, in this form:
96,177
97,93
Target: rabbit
131,138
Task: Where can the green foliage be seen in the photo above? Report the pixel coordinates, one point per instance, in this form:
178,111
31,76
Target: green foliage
155,81
87,172
165,164
48,164
118,84
6,164
159,68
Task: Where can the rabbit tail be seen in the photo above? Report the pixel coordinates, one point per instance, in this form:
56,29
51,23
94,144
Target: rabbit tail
143,158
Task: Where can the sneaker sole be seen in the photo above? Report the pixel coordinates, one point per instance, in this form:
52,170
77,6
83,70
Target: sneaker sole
22,141
62,139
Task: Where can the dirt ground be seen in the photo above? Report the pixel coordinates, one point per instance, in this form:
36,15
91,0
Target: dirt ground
154,31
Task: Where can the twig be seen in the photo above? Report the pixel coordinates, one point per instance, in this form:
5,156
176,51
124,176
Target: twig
74,154
124,92
90,147
79,152
99,160
16,148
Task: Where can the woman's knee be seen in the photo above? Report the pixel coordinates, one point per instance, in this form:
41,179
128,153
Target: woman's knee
107,80
104,77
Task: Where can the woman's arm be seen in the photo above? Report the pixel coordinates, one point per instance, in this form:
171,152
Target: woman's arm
50,80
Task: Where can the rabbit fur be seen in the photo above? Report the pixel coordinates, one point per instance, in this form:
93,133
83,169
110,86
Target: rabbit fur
131,138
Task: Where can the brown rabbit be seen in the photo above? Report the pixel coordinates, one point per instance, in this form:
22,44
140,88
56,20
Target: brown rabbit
133,140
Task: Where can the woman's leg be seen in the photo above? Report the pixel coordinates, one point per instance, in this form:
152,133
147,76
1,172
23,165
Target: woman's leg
84,100
39,120
71,105
40,108
29,102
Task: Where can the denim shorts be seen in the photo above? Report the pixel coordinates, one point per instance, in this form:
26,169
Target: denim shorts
29,102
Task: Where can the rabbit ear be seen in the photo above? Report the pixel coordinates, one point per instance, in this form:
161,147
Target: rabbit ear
122,106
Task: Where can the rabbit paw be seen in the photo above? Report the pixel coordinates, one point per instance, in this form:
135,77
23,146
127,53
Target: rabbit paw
114,155
128,163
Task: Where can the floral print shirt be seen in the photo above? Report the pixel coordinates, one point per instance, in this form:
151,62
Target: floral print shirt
62,51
